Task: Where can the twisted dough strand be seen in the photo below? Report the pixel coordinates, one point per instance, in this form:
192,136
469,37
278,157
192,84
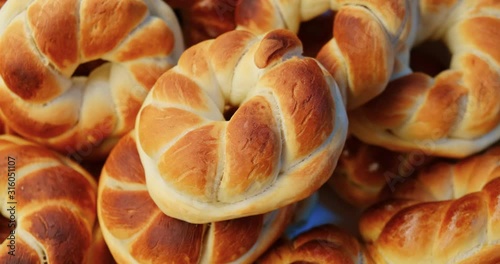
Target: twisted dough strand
449,214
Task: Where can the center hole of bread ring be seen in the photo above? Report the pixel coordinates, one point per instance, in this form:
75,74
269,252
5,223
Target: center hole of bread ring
86,68
430,57
316,32
229,111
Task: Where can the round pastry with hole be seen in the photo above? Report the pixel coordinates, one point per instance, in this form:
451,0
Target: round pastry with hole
279,146
448,213
137,231
456,113
73,74
48,203
370,39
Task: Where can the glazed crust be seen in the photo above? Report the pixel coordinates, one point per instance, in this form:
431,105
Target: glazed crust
41,98
456,113
448,214
321,245
136,231
290,124
55,205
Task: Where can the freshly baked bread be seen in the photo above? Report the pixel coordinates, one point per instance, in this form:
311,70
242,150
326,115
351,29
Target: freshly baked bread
365,174
326,244
204,19
456,113
450,213
369,44
42,96
50,204
136,231
280,146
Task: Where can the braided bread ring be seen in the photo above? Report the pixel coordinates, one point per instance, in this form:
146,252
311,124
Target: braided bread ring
39,97
55,209
456,113
369,44
279,147
136,231
449,214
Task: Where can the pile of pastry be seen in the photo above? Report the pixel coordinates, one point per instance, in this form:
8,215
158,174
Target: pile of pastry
149,131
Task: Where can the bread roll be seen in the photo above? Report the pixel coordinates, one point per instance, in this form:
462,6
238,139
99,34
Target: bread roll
136,231
50,204
369,44
450,213
456,113
43,94
279,147
324,244
365,173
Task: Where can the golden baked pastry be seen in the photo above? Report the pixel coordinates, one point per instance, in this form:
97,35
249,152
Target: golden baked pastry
326,244
365,174
450,213
47,47
50,204
456,113
136,231
279,147
369,44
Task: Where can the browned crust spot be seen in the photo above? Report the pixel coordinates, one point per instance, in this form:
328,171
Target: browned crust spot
125,213
168,240
253,147
274,46
190,165
104,24
56,37
65,236
306,101
22,71
235,237
143,44
124,164
160,126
